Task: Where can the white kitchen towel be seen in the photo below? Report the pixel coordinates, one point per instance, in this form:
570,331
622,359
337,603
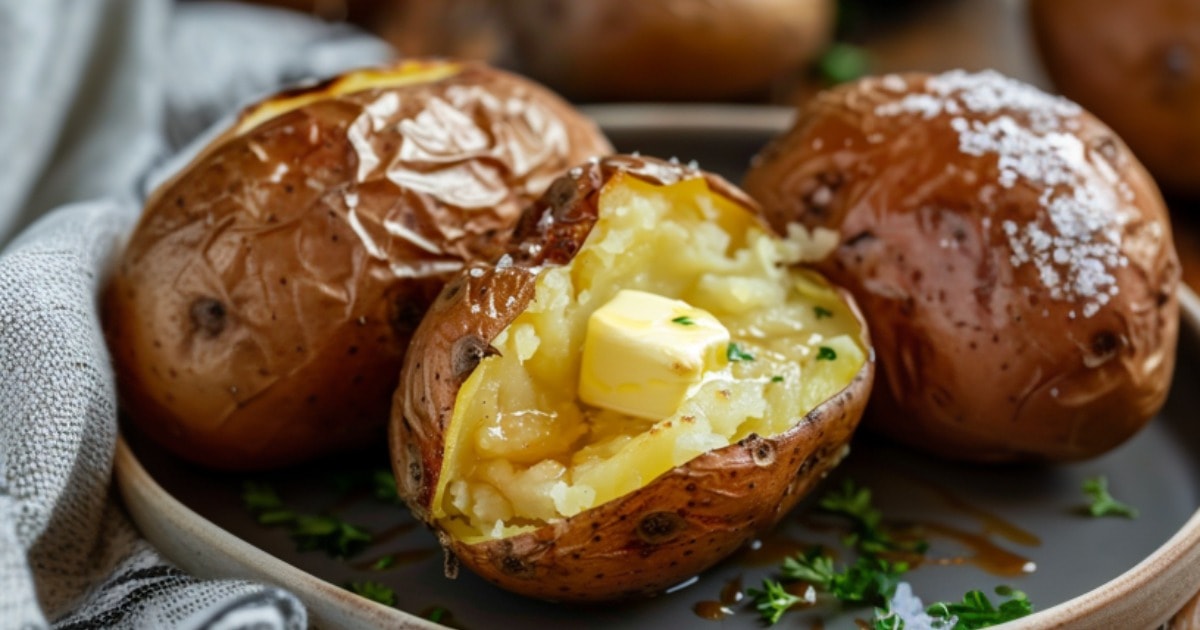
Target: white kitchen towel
97,97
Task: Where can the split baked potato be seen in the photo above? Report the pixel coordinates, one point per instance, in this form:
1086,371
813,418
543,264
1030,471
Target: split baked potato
1013,258
640,385
260,311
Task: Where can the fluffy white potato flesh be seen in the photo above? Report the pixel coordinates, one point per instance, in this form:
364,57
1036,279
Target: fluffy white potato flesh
523,449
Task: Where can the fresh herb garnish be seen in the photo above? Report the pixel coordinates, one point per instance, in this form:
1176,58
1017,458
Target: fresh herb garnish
264,503
383,563
870,580
825,353
735,353
330,534
436,614
683,320
374,591
843,62
776,379
1103,503
976,610
868,537
887,619
384,486
821,312
773,600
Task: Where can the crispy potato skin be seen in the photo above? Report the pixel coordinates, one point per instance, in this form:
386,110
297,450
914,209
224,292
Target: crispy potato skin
667,49
1136,65
259,314
644,542
981,358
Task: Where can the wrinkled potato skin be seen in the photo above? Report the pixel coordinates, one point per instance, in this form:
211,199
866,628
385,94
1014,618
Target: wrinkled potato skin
978,361
644,542
667,49
1136,65
253,325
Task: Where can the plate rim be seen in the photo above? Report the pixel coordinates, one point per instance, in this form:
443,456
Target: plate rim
1163,582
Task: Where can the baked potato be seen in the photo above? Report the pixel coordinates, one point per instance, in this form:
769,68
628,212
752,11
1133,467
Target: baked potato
260,311
1013,258
667,49
1135,65
638,387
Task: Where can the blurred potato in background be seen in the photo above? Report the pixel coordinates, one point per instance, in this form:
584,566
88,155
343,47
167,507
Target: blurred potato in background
1136,65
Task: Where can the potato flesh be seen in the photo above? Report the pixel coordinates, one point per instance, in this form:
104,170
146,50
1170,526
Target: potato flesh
522,450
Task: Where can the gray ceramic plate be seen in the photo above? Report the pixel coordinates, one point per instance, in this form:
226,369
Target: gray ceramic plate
995,524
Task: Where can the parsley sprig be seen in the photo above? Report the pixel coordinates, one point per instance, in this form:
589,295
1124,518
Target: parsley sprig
977,611
374,591
1103,503
870,580
867,536
734,352
311,532
773,600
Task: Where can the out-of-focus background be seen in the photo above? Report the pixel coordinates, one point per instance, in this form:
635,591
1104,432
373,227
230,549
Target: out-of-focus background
1134,64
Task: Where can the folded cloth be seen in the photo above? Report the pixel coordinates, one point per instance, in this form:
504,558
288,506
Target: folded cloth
99,95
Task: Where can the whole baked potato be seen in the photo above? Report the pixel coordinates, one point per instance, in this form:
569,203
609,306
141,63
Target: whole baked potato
263,304
667,49
642,384
1013,258
1135,65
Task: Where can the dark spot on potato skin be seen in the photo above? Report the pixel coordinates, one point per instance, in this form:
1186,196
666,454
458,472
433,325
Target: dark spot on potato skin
656,528
208,316
467,352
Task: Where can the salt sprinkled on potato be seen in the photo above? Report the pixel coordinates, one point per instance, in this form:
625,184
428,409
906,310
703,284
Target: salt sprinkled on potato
1013,258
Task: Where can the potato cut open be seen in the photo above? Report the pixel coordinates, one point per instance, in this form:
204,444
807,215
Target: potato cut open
522,449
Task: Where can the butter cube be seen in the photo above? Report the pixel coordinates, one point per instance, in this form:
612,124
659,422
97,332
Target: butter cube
642,352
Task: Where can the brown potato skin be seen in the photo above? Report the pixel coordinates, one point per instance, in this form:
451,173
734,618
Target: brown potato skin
642,543
1136,66
253,325
979,360
667,49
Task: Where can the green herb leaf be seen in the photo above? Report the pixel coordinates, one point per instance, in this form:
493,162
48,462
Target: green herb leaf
772,601
384,486
870,580
330,534
976,610
821,312
887,619
684,320
825,353
776,379
260,497
383,563
374,591
1103,503
844,62
437,613
735,353
868,537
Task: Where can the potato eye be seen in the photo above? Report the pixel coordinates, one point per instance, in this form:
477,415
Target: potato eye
660,527
208,315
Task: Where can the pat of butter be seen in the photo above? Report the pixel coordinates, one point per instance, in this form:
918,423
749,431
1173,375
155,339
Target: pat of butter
643,351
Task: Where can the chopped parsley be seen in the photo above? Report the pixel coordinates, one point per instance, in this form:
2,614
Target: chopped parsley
825,353
383,563
870,580
327,533
868,535
683,320
777,379
383,486
264,503
437,613
735,353
374,591
1103,503
330,534
773,600
976,610
843,62
821,312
